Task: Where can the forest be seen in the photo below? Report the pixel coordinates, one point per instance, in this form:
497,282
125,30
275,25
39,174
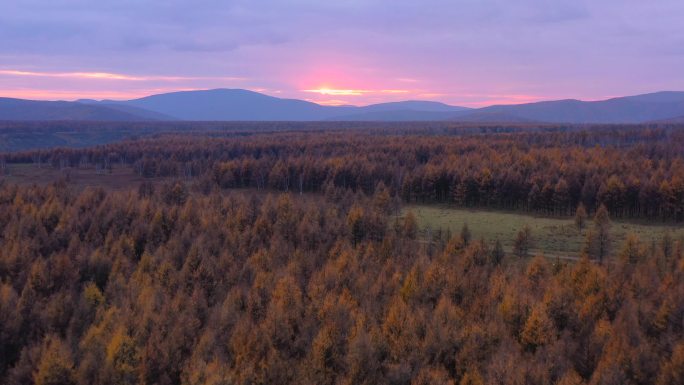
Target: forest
28,135
636,172
284,257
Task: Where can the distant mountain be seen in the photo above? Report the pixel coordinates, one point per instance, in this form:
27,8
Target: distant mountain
139,113
412,105
630,109
479,116
238,104
675,120
657,97
244,105
397,116
411,110
232,104
209,105
20,109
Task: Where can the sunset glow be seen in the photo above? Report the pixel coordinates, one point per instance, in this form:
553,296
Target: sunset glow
51,94
107,76
76,75
331,102
455,55
329,91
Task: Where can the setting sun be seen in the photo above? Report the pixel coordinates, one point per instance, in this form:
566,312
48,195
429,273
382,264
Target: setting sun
337,92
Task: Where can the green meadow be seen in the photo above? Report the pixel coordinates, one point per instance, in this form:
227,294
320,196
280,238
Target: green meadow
553,236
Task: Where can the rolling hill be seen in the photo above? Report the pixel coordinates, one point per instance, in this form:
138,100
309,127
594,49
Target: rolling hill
20,109
237,104
410,110
244,105
230,104
630,109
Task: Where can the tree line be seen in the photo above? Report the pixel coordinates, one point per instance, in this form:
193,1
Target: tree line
636,172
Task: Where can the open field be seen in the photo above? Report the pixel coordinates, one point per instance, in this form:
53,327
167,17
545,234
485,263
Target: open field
552,236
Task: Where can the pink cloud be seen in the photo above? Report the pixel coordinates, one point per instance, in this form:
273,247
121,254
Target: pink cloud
109,76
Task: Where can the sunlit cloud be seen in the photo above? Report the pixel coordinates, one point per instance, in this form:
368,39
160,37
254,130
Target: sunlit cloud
78,75
44,94
335,92
431,94
352,92
72,85
363,49
108,76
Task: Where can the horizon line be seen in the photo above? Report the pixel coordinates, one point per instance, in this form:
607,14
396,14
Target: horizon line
118,97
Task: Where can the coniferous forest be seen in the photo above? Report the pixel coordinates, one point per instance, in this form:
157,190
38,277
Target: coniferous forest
249,257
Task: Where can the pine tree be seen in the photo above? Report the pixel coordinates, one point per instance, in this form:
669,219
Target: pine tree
465,234
497,253
523,242
580,217
598,240
56,366
538,329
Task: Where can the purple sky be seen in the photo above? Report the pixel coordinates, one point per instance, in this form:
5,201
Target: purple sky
463,52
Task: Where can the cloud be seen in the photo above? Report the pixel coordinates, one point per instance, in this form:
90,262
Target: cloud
52,94
342,92
110,76
445,48
73,75
334,92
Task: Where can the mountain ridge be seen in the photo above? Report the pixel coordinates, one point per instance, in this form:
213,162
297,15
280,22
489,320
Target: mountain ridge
22,109
224,104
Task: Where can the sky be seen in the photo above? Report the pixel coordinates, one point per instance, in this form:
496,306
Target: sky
462,52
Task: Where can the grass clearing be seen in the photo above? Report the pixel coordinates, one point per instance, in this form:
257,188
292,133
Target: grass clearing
552,236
